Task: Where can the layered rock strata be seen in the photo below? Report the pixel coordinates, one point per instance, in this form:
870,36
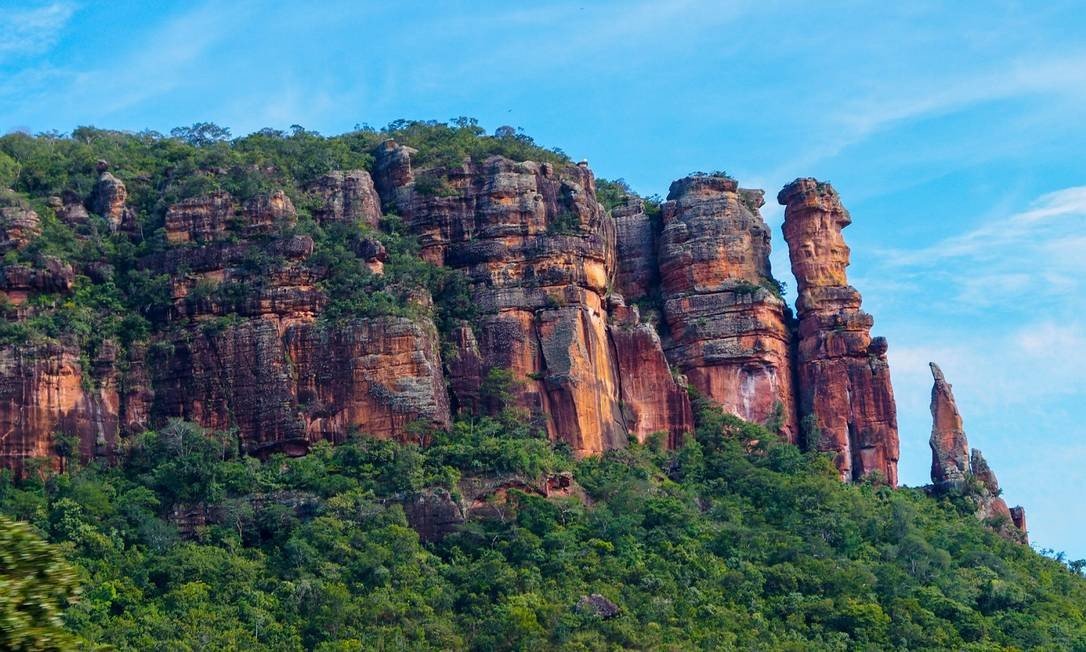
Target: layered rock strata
254,355
729,333
539,252
846,402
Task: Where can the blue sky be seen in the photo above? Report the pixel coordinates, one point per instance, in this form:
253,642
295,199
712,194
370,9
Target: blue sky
955,133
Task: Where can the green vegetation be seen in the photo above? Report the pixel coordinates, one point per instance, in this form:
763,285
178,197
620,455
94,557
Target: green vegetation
127,303
735,541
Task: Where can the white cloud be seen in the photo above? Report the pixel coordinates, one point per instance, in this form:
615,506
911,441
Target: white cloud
32,31
1029,258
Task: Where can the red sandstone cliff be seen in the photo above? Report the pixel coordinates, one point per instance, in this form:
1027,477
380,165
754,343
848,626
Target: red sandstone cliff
539,252
728,331
846,403
244,347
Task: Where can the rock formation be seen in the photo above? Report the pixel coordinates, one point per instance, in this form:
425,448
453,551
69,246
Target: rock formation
637,274
46,392
19,224
954,467
846,402
728,329
596,322
949,446
108,199
539,252
347,197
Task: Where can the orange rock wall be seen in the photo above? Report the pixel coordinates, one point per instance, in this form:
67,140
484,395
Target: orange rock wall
729,333
846,402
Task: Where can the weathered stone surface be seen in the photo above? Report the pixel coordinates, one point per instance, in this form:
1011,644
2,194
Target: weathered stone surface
1018,517
18,224
285,382
265,212
45,390
199,218
209,217
637,273
728,332
433,513
949,446
18,282
598,606
652,400
348,196
108,200
954,464
846,401
538,250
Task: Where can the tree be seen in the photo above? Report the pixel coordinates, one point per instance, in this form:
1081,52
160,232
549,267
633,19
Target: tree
36,584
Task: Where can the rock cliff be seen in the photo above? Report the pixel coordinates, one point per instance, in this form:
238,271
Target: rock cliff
729,332
846,402
539,253
294,309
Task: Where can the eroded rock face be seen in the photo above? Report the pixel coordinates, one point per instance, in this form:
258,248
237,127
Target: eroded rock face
255,355
18,225
652,399
954,464
637,274
728,331
949,446
19,281
44,390
539,252
846,402
108,200
347,197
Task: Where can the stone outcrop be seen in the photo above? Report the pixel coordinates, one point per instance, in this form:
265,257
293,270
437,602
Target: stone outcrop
109,198
19,224
846,402
949,446
19,281
347,197
956,467
652,400
285,383
211,217
729,332
539,253
596,322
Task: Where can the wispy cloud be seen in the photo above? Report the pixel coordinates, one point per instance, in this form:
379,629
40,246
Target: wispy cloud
32,31
849,120
1024,259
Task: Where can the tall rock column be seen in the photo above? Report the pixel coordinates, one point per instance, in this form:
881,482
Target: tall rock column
846,402
728,330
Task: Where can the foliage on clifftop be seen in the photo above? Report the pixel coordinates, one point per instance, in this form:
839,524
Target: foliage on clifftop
735,541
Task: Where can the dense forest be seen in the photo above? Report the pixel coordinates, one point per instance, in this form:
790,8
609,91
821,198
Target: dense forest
735,540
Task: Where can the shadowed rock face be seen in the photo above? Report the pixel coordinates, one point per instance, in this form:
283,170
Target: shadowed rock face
108,200
45,391
846,402
728,332
637,274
